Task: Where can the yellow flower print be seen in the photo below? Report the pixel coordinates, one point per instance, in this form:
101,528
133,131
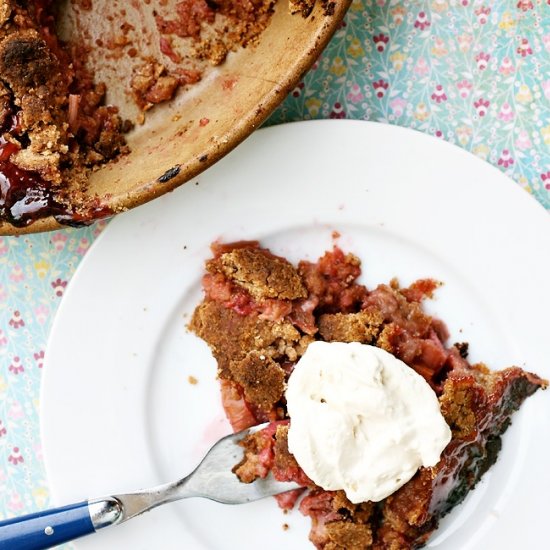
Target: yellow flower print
545,132
3,385
356,5
40,495
464,133
355,49
313,105
398,59
482,151
439,49
398,14
440,5
421,112
338,68
524,182
507,22
524,94
42,267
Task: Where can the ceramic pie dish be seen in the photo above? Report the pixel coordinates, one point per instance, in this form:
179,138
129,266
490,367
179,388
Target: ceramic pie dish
182,137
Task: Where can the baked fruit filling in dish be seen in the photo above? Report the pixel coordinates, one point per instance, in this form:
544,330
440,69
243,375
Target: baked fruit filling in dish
56,123
259,316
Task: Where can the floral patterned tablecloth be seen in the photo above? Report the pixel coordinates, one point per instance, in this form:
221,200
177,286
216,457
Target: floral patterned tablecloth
473,72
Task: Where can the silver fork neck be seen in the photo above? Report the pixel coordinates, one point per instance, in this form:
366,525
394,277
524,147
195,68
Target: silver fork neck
117,509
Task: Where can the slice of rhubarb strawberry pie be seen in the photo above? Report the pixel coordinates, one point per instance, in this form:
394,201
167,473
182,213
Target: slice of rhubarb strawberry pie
385,425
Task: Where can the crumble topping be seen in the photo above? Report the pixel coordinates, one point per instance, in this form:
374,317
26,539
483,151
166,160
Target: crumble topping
257,345
262,379
304,7
363,327
260,275
231,336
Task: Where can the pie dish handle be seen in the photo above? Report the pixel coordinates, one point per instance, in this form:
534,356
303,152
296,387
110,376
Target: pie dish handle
52,527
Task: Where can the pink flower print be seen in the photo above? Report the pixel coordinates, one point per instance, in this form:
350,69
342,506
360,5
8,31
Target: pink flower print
482,60
397,106
58,241
422,21
464,88
42,313
15,456
15,504
506,113
482,14
439,49
421,68
17,274
505,159
355,95
15,366
524,48
546,179
83,245
438,134
3,338
381,41
39,358
546,42
439,94
3,247
464,42
15,412
525,5
506,67
102,224
38,452
59,287
3,430
481,106
380,87
523,142
16,321
337,111
545,89
298,90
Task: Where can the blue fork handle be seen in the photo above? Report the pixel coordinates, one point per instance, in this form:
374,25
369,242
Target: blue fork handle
46,529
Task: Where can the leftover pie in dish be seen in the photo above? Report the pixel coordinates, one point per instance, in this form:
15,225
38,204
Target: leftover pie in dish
56,124
259,315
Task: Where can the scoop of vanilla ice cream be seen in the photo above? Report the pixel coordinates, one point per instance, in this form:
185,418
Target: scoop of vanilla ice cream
361,420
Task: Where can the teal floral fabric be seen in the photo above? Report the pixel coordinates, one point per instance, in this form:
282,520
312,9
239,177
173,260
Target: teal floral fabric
475,73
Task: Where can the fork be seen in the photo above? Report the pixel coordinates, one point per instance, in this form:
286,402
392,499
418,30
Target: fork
212,478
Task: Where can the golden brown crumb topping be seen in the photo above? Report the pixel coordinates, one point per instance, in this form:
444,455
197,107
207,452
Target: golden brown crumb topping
262,379
263,276
258,321
361,327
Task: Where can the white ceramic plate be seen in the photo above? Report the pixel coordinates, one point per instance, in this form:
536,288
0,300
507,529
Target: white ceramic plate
118,412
